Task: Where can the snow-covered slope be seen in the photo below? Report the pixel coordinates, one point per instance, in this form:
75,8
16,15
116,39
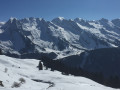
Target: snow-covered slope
26,68
31,35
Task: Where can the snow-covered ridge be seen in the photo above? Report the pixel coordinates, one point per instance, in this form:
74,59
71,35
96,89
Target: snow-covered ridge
31,35
26,69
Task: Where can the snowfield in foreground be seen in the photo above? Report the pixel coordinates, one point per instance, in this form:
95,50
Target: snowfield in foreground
12,69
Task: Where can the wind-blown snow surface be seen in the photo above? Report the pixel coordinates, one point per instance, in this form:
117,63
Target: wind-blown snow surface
31,35
26,68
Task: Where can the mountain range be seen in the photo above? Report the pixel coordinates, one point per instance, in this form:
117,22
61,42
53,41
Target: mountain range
62,36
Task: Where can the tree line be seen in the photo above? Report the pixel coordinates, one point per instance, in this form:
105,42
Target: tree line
59,65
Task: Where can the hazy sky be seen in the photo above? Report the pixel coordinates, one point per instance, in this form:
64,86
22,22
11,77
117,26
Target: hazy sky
49,9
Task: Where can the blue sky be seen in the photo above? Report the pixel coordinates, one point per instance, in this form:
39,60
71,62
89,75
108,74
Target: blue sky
70,9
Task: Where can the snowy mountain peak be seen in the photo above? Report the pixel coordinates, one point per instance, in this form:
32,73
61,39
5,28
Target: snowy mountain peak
78,19
61,18
11,24
31,19
103,20
83,22
58,19
11,20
